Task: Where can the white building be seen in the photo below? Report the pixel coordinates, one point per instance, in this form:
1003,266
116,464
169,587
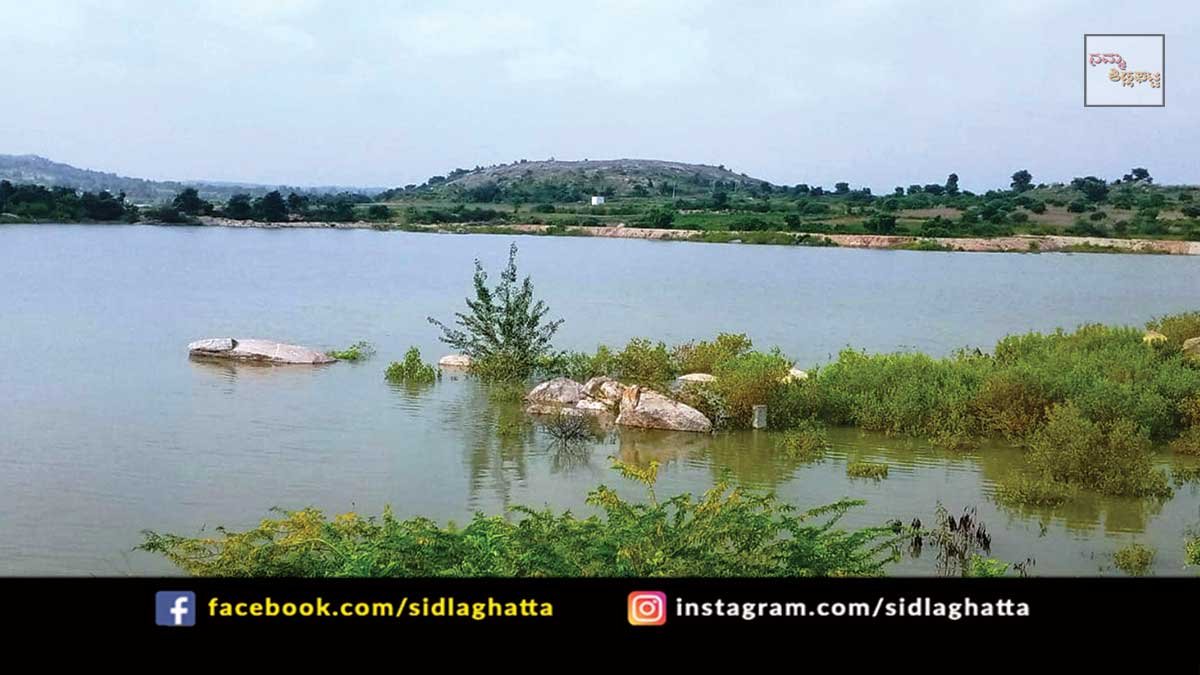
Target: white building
597,200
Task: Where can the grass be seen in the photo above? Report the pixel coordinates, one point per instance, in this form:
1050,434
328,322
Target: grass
725,532
806,443
1134,559
873,470
359,351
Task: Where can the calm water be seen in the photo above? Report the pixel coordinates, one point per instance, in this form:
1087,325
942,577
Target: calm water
107,428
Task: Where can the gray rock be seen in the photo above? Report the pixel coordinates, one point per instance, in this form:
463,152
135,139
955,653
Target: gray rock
794,375
559,391
261,351
649,409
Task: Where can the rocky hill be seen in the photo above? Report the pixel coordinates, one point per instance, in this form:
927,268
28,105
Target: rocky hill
612,177
41,171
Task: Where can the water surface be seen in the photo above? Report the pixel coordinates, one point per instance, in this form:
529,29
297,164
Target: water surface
107,428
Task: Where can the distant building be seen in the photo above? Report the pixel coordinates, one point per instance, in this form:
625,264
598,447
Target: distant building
597,200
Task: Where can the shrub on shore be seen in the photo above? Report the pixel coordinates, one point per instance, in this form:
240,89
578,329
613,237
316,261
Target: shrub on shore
703,356
749,380
1192,552
725,532
644,362
1177,327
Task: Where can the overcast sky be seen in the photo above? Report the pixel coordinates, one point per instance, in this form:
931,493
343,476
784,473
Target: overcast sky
307,92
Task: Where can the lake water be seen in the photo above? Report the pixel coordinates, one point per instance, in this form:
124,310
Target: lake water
107,428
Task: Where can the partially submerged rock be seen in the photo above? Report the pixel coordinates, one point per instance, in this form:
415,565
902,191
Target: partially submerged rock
455,361
604,389
649,409
559,391
255,350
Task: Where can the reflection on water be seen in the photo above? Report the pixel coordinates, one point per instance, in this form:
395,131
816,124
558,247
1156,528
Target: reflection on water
109,428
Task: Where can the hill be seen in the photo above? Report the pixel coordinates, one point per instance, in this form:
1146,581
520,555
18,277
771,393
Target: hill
557,180
36,170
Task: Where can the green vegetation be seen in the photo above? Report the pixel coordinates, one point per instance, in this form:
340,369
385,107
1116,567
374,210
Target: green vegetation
412,371
807,442
34,203
726,532
504,332
1192,551
874,470
359,351
723,206
1134,559
1178,328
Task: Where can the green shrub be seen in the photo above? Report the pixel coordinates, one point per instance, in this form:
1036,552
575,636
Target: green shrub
1182,475
1192,551
1021,489
703,396
504,332
1134,559
792,404
703,357
726,532
1112,458
749,380
645,363
1188,443
412,370
1177,327
359,351
578,366
875,470
807,442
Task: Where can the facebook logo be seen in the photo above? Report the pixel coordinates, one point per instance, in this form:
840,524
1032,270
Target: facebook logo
175,608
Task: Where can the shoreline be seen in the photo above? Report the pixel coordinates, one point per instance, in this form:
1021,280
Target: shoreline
1020,243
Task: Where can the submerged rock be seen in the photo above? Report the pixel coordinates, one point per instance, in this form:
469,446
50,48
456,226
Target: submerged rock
455,361
559,391
261,351
649,409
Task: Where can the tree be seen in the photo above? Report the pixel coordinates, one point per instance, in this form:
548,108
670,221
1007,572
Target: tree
952,184
504,330
238,207
841,188
297,204
1095,189
1021,180
271,208
1138,174
189,202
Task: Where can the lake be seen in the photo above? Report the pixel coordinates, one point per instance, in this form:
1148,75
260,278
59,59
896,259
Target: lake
107,428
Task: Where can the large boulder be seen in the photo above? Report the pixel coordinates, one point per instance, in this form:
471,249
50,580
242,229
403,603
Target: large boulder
649,409
461,361
1191,348
604,389
559,391
255,350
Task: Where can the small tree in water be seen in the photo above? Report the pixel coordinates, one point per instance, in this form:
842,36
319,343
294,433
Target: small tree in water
504,331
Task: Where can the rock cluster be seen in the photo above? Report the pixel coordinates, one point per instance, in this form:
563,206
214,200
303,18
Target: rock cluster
634,406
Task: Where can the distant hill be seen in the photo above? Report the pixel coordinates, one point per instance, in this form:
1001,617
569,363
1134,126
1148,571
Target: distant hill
556,179
41,171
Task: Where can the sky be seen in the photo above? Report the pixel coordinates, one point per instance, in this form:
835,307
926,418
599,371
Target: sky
377,93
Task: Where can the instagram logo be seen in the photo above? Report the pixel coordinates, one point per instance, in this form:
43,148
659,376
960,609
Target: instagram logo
647,608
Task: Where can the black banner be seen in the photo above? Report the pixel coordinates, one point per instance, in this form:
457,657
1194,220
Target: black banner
182,607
